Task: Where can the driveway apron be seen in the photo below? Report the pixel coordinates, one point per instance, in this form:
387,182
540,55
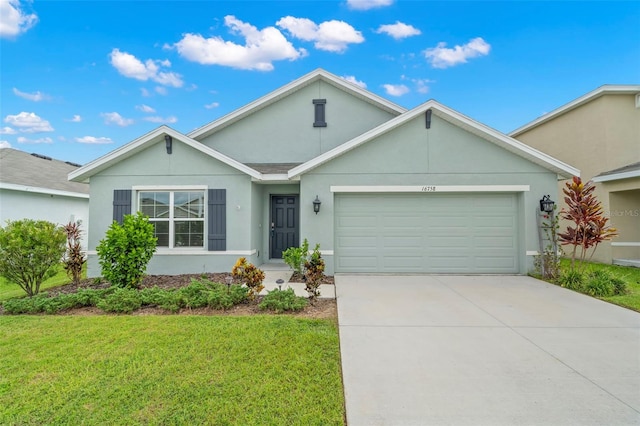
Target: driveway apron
484,350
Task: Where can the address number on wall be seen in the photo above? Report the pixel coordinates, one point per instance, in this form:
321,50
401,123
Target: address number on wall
429,189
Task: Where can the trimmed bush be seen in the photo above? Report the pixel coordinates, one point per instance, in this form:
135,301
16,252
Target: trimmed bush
121,301
282,301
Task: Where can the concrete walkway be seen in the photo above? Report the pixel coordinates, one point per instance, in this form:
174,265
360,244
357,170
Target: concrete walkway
275,271
484,350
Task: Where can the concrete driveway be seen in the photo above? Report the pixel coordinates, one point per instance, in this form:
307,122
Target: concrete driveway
484,350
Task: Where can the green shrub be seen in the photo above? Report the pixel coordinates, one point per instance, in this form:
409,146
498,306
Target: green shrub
283,301
30,250
572,279
165,299
250,275
314,272
223,297
195,295
601,283
30,305
121,300
296,257
126,250
619,286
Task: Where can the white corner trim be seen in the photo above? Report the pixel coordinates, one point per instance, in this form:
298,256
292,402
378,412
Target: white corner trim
430,188
617,176
626,244
38,190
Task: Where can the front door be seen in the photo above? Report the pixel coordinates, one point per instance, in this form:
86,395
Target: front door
284,224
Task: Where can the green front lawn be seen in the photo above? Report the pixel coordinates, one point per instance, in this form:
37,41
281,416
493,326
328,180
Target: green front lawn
629,274
94,370
10,290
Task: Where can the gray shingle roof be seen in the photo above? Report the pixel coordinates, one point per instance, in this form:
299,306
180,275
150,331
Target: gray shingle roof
628,168
21,168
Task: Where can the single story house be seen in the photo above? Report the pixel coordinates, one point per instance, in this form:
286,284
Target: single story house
599,133
382,189
34,186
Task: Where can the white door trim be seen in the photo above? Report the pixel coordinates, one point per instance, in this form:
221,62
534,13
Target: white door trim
430,188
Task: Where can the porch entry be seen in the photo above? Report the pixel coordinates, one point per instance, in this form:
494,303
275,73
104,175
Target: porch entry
284,232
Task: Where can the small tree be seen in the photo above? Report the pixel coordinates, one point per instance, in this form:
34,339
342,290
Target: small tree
589,224
296,257
126,250
29,252
74,258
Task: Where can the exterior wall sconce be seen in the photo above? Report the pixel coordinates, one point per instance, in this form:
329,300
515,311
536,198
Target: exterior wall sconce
546,204
169,142
316,205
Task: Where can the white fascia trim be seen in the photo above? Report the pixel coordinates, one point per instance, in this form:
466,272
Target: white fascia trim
627,244
602,90
275,177
38,190
178,252
430,188
131,148
285,90
617,176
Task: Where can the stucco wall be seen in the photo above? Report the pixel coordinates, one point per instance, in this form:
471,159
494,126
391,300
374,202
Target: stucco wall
16,205
284,133
412,155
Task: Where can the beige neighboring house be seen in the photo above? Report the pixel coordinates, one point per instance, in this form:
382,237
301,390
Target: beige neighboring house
599,133
36,187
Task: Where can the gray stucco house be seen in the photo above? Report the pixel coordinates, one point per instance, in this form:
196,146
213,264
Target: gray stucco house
426,190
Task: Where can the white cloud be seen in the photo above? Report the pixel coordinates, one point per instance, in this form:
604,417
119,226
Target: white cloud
161,90
28,122
352,79
156,119
398,30
368,4
421,84
22,139
396,89
130,66
5,144
332,36
94,140
7,131
117,119
145,108
14,20
75,119
212,105
35,97
444,57
144,92
261,47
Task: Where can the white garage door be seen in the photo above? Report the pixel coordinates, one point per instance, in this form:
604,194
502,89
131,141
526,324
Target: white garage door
426,233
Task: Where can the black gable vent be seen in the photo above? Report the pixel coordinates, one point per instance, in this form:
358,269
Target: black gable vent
44,157
73,164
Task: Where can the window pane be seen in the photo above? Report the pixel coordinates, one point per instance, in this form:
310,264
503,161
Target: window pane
155,204
161,232
188,204
189,233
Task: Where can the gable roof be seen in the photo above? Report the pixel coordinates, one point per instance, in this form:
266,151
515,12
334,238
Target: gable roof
607,89
84,173
462,121
316,75
22,171
625,172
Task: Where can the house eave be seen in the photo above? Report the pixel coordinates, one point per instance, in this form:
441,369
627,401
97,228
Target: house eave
617,176
45,191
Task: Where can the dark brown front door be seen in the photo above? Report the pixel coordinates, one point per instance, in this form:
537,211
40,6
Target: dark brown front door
284,224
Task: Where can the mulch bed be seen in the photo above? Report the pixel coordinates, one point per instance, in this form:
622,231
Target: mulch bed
322,308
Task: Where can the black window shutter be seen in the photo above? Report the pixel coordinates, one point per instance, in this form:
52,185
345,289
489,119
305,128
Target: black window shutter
121,204
319,105
217,219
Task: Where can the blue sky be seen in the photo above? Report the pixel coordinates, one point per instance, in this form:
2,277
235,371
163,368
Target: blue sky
81,78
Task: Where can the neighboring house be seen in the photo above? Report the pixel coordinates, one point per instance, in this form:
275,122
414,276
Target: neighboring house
426,190
36,187
600,134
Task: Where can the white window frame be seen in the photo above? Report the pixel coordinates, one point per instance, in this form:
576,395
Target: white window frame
172,189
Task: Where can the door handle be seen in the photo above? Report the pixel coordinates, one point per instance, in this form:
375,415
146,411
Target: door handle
273,229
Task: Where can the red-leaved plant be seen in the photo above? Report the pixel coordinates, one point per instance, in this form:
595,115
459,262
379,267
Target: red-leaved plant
589,226
73,258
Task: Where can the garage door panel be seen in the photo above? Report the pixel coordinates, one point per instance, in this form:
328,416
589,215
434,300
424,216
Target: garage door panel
431,233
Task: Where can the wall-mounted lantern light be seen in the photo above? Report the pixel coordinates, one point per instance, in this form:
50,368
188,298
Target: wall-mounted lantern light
168,141
316,205
546,204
